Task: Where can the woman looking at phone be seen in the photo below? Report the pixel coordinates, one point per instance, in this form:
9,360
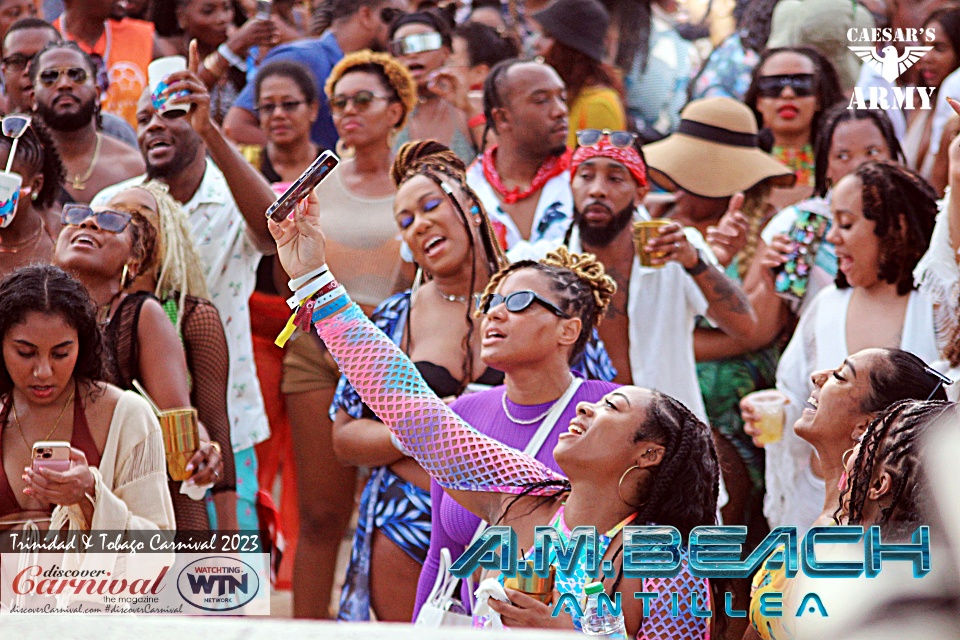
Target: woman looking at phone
626,455
51,385
370,96
422,41
883,218
106,249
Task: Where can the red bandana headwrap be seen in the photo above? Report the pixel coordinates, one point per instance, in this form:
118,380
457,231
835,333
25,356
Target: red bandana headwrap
603,149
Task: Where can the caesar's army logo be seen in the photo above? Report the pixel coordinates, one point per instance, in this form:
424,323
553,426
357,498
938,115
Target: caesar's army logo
890,64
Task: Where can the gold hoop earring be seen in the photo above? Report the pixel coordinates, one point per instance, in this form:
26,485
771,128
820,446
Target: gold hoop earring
123,277
620,484
417,282
846,457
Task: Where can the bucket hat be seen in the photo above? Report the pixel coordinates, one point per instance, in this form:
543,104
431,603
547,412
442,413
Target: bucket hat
579,24
714,152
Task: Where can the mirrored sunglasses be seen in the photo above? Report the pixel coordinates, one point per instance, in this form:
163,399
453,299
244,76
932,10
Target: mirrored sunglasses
50,77
15,125
803,85
516,302
112,221
416,43
618,139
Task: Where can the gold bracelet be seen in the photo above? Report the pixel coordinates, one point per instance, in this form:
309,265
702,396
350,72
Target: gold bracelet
216,445
215,64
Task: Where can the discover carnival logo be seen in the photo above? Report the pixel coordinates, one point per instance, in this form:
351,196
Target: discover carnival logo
890,64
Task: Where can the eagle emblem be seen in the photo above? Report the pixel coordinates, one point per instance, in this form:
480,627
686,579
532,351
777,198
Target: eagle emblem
890,66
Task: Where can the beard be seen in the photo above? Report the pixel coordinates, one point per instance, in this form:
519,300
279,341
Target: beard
603,235
68,122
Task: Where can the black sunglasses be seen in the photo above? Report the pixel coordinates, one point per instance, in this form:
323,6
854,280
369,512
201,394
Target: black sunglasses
941,380
803,85
49,77
112,221
618,139
516,302
16,62
287,106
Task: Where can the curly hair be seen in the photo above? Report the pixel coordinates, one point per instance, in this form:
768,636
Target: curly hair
834,117
904,207
828,88
583,286
48,290
438,163
38,150
893,443
394,77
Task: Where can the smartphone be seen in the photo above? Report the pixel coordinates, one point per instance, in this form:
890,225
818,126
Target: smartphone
792,277
306,183
264,8
51,454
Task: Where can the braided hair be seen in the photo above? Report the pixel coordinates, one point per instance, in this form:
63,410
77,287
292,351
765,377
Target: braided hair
892,443
493,94
904,207
833,118
579,279
754,208
437,162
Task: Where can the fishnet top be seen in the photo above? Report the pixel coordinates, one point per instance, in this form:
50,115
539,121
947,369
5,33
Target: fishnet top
208,364
455,454
459,457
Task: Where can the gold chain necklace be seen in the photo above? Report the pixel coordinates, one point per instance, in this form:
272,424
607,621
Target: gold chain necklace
23,244
80,182
16,419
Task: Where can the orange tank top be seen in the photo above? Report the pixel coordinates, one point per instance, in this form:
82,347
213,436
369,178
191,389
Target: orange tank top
127,47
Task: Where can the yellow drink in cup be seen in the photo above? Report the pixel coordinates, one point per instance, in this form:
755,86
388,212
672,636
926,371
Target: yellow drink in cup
771,418
643,232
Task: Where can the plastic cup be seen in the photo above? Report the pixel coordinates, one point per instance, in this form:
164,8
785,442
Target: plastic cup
10,184
157,72
643,232
771,418
181,439
534,586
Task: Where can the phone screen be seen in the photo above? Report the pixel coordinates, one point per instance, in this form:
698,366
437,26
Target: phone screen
299,190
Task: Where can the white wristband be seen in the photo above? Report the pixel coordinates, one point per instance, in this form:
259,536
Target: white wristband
302,294
327,297
231,57
296,283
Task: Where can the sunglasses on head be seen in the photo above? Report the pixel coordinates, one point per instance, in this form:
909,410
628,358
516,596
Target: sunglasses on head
803,85
112,221
50,77
618,139
941,380
416,43
13,127
361,100
287,106
516,302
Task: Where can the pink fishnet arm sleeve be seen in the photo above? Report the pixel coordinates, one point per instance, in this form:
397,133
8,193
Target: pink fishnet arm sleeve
661,624
450,450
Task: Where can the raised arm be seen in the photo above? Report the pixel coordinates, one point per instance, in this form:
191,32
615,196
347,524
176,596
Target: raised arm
470,466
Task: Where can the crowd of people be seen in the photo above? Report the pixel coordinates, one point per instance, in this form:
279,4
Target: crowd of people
589,243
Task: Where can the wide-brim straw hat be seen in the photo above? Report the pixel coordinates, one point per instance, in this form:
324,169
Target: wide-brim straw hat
714,152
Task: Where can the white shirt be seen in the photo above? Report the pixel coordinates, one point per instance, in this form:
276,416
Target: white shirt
550,221
794,495
229,260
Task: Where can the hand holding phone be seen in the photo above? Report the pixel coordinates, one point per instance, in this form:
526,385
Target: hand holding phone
307,182
51,454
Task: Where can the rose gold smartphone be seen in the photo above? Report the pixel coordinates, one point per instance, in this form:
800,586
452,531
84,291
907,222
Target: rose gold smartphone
51,454
306,183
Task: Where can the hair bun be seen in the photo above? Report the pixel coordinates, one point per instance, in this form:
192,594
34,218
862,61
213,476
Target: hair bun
590,271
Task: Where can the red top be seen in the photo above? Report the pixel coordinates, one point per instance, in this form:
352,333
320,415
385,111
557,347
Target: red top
81,439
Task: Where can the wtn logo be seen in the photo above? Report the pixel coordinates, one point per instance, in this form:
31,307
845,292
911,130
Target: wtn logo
889,64
227,584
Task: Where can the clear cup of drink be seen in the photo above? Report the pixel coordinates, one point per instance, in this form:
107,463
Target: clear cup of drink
768,406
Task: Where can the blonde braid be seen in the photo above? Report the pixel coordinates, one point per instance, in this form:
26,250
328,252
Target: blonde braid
590,270
180,270
754,209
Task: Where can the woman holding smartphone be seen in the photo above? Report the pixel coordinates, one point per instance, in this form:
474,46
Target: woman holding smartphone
436,326
51,388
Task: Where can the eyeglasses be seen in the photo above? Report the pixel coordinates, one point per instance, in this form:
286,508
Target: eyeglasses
516,302
13,127
416,43
803,85
941,380
50,77
16,62
618,139
287,106
112,221
361,100
389,14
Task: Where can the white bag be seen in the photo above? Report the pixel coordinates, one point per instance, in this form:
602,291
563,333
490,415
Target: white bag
443,607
